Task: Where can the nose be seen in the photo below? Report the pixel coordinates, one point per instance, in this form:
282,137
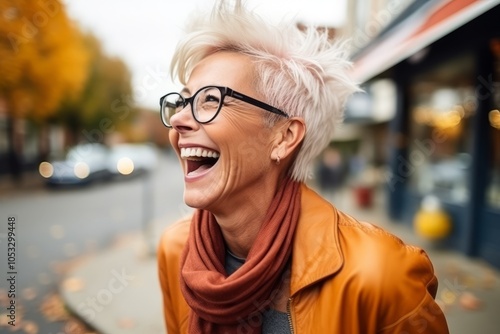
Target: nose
183,121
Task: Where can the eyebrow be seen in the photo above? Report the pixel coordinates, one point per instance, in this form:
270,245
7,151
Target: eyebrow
185,90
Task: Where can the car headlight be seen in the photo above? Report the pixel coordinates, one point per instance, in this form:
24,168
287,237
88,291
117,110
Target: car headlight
125,166
46,169
81,170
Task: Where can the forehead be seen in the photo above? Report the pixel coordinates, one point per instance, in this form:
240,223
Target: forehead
223,68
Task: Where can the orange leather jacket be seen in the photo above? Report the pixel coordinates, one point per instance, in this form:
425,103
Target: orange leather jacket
347,277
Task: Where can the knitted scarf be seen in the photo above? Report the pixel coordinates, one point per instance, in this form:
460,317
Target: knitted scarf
234,304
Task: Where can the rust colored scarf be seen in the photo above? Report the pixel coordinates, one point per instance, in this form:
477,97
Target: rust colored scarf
233,304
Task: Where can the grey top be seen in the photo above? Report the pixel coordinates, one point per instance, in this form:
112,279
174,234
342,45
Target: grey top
273,321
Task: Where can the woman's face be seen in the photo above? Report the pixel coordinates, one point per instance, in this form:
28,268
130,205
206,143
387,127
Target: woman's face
237,137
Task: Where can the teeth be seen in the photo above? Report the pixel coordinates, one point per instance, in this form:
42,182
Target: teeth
187,152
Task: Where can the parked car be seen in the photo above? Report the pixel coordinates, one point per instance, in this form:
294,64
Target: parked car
83,164
87,163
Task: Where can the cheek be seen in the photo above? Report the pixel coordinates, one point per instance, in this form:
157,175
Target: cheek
249,150
247,141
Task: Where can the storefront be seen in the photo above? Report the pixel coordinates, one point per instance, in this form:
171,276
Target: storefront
445,136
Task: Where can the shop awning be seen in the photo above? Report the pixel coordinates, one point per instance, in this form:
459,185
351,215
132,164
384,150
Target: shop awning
414,34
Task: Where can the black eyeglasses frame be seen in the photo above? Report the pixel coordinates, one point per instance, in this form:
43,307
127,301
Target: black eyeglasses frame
225,91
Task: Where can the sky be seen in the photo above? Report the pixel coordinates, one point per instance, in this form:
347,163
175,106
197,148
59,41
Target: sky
143,33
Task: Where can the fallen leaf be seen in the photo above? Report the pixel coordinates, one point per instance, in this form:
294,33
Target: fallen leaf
72,326
469,301
30,327
73,284
448,296
53,308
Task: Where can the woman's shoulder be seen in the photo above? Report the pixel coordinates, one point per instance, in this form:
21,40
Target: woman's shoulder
389,276
175,236
377,243
383,261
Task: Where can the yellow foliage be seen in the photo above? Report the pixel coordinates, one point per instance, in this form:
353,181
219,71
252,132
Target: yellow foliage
107,89
43,58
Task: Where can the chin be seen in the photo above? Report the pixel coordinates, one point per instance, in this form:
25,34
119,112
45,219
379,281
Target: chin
197,199
203,192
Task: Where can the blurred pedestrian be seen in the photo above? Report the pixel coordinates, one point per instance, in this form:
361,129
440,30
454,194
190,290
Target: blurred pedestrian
263,252
331,174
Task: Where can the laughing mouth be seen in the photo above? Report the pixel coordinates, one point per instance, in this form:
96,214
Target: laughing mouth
199,159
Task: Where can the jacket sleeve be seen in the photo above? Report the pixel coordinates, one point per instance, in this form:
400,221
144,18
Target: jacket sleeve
425,316
168,256
168,308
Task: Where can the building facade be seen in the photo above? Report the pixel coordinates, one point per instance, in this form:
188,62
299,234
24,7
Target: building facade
442,59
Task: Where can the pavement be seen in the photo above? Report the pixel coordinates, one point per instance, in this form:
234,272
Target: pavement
30,181
116,290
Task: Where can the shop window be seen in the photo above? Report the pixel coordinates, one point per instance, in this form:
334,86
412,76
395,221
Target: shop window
442,103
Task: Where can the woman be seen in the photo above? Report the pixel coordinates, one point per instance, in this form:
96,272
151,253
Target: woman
263,252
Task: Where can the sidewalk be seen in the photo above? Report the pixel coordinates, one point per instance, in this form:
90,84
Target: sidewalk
29,182
117,291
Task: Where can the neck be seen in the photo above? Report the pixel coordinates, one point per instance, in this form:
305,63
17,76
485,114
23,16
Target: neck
240,226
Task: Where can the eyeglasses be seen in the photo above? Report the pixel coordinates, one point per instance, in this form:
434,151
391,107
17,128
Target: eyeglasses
206,104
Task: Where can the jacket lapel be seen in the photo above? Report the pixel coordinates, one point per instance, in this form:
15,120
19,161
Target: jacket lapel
316,249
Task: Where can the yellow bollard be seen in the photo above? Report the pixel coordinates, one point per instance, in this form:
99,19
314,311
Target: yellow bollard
431,221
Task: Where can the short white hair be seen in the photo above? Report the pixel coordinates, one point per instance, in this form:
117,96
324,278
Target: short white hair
300,71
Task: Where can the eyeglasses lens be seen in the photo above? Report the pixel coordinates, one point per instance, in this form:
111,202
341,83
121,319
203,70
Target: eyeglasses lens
206,103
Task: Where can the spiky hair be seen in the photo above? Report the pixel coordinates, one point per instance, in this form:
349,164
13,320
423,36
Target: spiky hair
300,71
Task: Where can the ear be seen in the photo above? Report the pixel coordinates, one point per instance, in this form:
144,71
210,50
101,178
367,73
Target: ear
289,138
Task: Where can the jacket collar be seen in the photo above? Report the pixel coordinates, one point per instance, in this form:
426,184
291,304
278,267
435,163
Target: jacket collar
316,250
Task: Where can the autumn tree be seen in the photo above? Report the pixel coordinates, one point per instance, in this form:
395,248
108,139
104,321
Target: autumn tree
43,61
105,103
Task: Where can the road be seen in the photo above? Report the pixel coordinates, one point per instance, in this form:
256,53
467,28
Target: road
55,227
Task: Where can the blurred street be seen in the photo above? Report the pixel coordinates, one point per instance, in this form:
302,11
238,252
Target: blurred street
57,228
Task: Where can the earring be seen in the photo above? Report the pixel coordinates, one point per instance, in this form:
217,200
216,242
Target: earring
278,160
